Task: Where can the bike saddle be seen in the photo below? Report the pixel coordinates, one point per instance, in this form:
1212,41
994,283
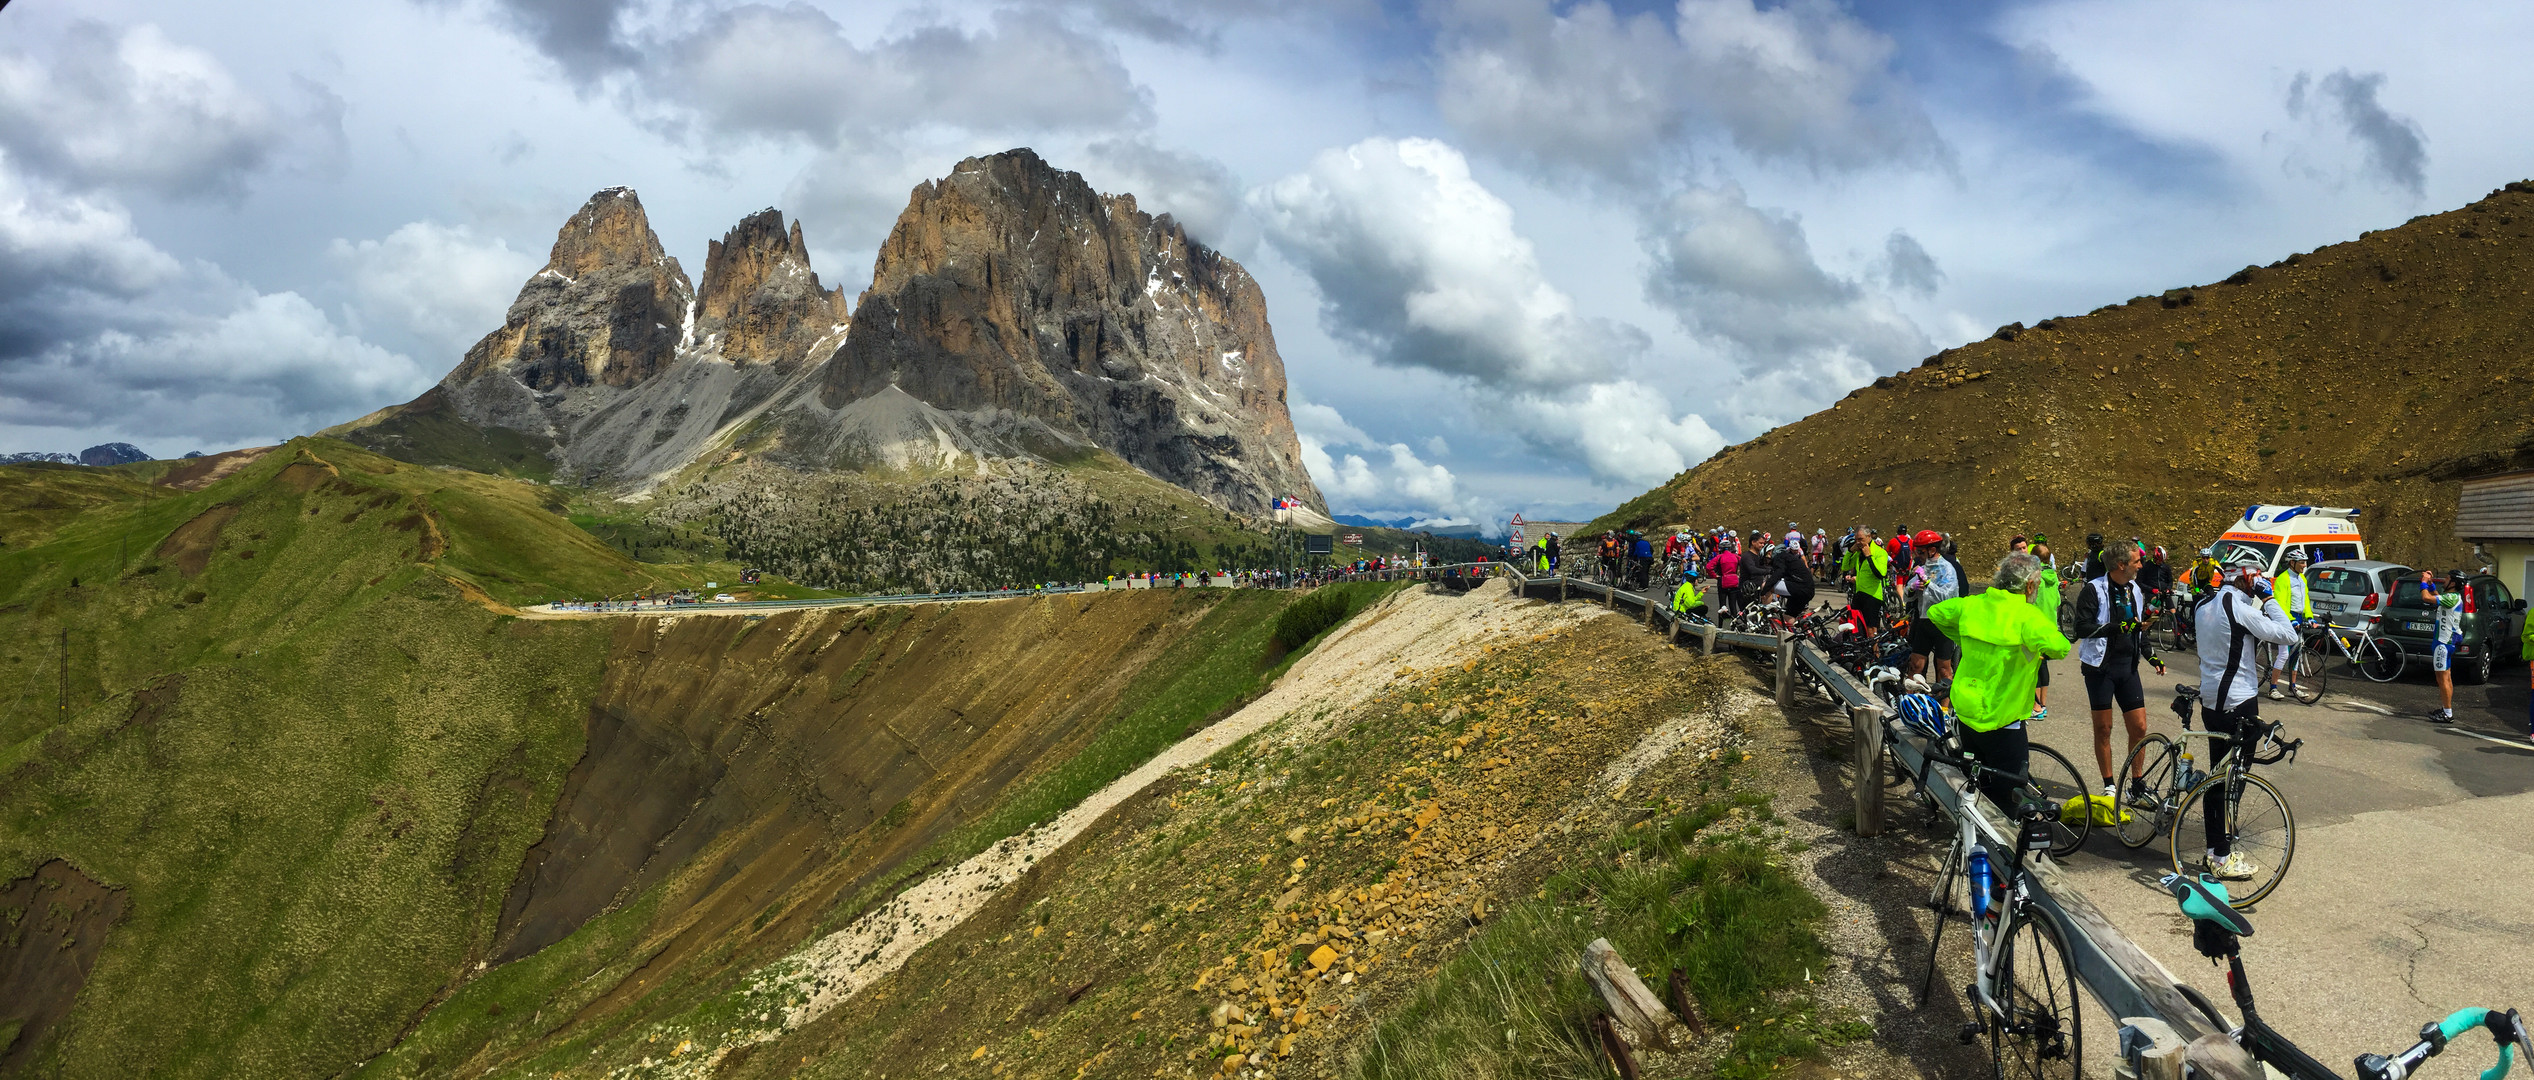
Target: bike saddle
2204,900
2187,691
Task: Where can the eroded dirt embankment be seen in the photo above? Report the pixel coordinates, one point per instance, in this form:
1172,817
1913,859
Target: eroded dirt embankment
755,771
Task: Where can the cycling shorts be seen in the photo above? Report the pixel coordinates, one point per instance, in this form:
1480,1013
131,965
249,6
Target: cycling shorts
2441,656
1927,639
2117,683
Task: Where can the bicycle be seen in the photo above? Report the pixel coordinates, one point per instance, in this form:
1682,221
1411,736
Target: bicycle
2217,930
2170,790
2023,987
2361,646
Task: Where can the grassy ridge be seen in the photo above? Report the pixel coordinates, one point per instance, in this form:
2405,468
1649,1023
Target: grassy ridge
314,763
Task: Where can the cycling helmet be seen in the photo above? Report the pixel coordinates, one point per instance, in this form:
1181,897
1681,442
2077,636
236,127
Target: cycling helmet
1922,714
1927,538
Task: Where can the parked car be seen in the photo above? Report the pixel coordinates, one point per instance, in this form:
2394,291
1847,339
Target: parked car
724,598
2493,621
2352,592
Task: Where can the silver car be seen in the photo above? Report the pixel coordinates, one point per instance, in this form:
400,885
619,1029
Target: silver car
2353,592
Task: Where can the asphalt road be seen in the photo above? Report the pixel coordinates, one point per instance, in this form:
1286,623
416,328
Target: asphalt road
2411,893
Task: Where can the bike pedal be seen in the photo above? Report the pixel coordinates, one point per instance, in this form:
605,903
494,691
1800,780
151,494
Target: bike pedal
1969,1034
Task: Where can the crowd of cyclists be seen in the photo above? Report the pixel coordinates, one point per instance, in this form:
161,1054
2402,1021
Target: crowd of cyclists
1984,657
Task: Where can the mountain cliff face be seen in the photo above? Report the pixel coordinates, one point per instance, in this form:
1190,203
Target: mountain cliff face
618,369
1014,313
1038,316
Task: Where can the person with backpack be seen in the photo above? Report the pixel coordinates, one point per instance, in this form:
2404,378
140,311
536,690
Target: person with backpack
2111,636
2232,626
1790,577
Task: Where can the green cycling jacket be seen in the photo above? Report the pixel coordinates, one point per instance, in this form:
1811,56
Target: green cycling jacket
1685,597
1871,564
2004,639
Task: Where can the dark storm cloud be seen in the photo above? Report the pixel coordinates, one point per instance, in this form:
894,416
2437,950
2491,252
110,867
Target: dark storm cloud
2397,151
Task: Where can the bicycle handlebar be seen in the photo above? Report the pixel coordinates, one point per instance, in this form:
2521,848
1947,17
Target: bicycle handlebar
2507,1029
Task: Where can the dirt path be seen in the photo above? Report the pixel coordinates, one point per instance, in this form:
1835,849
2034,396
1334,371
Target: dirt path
1412,629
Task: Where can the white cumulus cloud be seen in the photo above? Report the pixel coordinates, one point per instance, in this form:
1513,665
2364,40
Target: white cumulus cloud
443,286
1420,266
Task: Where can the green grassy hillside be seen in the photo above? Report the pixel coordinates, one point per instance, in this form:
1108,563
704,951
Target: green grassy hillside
278,826
308,760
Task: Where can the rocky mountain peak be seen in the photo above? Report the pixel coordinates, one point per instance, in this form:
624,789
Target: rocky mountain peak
760,302
609,308
610,232
1012,292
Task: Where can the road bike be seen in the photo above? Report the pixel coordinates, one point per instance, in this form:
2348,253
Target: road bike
2023,989
2170,790
2361,646
2217,930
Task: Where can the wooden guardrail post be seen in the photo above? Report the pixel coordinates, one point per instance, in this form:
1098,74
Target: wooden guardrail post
1561,588
1785,670
1707,640
1868,720
1649,612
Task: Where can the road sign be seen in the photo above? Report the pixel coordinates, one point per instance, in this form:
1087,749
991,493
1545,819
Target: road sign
1516,541
1356,539
1317,544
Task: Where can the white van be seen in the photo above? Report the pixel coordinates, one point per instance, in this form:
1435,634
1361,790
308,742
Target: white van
2324,533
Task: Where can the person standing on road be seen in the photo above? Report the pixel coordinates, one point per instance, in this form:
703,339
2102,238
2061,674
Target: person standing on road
2003,636
2111,635
2093,567
1863,569
2289,590
2046,597
2232,626
2449,604
1936,580
1726,569
1640,558
1789,576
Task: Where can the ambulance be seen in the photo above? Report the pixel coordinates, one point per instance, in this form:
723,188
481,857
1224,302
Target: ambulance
2324,533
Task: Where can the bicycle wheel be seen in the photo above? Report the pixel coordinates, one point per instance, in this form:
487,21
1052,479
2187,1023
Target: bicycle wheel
2378,660
2042,1033
2257,819
2049,781
2310,677
2142,818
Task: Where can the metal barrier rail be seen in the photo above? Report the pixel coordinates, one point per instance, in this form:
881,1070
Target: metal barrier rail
2157,1022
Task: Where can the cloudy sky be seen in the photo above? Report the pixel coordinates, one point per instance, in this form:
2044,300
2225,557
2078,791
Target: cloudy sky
1520,255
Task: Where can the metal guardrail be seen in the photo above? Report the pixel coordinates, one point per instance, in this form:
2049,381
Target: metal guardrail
2157,1021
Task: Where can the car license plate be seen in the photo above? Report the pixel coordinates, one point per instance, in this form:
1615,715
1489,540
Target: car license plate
2419,626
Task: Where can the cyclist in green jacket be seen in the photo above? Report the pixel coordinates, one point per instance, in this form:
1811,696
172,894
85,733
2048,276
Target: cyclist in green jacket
1685,600
2045,598
2289,590
2004,637
1866,566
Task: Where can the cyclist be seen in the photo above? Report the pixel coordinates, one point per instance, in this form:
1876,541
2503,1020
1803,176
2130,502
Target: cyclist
2001,633
2231,626
2449,603
1864,569
1936,580
2111,613
2093,567
2047,599
2289,589
1686,601
1790,577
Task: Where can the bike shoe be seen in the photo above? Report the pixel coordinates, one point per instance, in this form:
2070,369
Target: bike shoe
2234,867
2442,716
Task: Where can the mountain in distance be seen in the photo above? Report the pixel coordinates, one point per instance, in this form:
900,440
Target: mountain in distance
1014,314
2375,373
1412,524
100,455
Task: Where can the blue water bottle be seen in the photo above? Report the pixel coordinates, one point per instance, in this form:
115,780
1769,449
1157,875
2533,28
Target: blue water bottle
1980,880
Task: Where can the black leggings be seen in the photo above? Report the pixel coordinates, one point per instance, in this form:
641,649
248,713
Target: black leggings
2225,726
2005,754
